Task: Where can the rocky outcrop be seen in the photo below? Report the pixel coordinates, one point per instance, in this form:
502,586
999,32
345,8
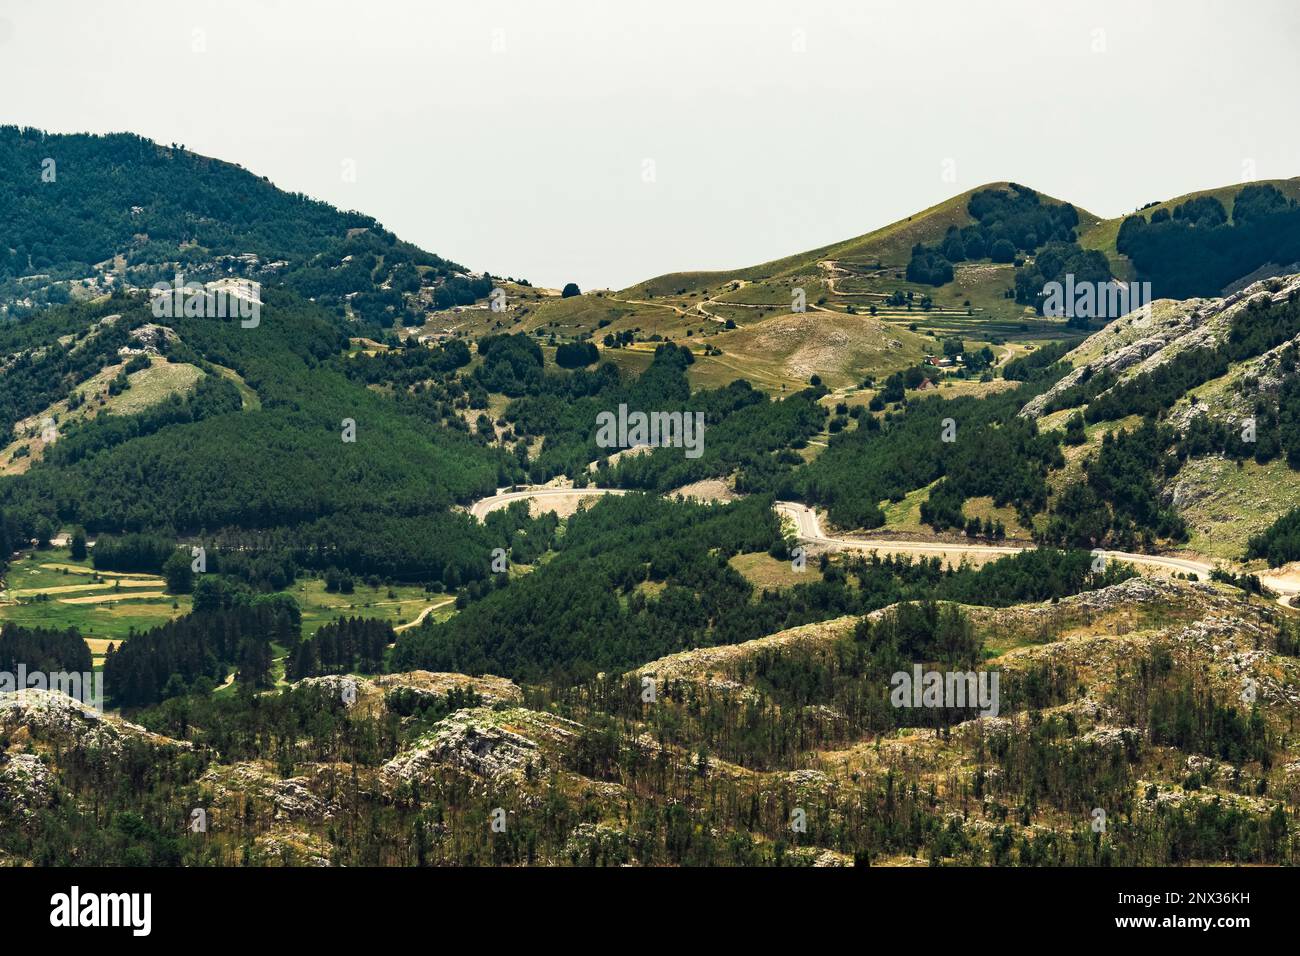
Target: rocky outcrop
26,784
710,664
1146,339
56,718
294,798
150,339
370,695
489,688
1127,343
492,744
596,843
287,846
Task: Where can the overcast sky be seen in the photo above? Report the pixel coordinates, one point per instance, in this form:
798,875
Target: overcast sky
607,142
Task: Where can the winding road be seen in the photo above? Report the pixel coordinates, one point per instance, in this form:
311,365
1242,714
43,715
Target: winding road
809,530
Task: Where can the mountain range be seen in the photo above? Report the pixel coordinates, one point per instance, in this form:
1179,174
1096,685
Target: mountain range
366,584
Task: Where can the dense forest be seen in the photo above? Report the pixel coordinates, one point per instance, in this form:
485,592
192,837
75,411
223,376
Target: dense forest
378,503
79,200
991,452
93,207
1280,542
1007,222
43,649
655,579
1197,250
348,645
196,652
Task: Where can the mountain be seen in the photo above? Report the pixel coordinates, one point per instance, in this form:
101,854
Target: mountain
1103,235
832,312
1221,376
889,245
80,199
889,297
86,214
877,274
264,435
367,586
937,273
892,245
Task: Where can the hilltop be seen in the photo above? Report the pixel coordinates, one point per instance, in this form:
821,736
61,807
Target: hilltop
89,214
972,268
1103,234
889,245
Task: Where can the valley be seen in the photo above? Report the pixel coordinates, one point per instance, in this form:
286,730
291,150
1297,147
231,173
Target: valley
366,584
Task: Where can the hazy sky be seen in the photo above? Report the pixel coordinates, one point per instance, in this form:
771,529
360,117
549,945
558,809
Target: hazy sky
518,137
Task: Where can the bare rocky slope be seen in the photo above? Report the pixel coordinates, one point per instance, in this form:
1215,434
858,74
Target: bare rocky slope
615,778
1144,340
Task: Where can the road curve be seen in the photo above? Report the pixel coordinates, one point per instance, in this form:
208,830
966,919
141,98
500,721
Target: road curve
423,614
503,498
808,528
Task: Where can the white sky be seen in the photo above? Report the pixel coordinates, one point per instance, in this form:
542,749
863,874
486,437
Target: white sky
529,161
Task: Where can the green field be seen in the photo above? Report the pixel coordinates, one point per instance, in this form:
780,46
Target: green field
407,601
111,618
101,606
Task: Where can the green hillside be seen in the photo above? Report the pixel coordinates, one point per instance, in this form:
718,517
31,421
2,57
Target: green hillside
1101,235
86,214
889,245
